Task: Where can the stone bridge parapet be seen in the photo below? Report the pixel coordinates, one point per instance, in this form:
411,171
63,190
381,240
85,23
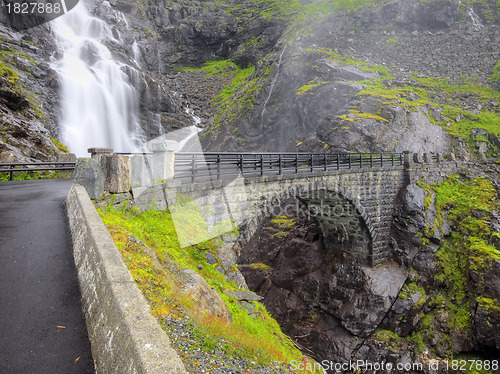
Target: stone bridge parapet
353,207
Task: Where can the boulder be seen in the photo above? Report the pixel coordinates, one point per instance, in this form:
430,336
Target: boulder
206,301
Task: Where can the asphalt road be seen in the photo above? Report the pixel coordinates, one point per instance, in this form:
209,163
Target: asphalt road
42,327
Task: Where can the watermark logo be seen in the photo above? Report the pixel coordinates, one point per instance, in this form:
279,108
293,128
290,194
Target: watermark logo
24,14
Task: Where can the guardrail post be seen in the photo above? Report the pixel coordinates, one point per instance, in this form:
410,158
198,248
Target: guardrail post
312,163
218,166
261,164
325,161
350,160
193,168
296,164
280,163
11,173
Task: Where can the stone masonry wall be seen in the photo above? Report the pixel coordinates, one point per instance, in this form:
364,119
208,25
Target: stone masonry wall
365,197
371,191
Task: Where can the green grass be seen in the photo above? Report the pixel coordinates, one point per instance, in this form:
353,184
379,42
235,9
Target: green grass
59,145
347,60
258,339
33,175
305,89
20,176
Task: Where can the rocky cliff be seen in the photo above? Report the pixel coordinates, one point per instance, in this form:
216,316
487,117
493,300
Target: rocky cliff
436,300
320,76
402,75
389,78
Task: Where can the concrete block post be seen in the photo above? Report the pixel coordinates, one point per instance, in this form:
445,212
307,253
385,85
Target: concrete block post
417,158
163,159
427,158
98,153
91,172
117,173
141,170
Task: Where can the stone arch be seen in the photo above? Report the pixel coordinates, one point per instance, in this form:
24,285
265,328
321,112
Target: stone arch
344,223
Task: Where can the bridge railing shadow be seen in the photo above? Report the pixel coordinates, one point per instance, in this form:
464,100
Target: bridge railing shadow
199,166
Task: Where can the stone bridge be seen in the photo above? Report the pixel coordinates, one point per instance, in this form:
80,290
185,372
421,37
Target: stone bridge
352,206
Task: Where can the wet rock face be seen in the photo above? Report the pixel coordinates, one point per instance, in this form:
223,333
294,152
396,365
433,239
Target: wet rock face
152,40
313,102
168,36
28,99
319,295
341,310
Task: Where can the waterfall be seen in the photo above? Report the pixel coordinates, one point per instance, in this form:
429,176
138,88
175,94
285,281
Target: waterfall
475,20
273,82
99,106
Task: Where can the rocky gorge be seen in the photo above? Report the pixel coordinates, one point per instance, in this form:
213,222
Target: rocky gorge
319,76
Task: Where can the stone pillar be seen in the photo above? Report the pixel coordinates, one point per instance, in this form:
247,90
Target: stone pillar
439,157
97,153
141,170
90,174
408,160
417,158
117,173
163,159
427,158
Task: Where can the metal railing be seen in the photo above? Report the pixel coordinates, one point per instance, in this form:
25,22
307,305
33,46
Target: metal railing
197,166
12,168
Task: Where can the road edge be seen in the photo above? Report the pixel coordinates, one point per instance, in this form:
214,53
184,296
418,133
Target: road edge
124,336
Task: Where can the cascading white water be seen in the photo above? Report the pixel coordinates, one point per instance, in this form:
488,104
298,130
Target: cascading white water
99,106
475,20
273,82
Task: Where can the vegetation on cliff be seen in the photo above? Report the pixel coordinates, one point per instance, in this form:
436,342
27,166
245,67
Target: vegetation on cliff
461,210
257,338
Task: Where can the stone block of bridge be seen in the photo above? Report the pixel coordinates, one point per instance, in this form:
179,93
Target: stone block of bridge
117,169
163,159
91,174
354,205
96,153
141,170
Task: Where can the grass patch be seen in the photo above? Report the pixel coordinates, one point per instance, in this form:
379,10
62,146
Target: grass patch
59,145
258,339
305,89
34,175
